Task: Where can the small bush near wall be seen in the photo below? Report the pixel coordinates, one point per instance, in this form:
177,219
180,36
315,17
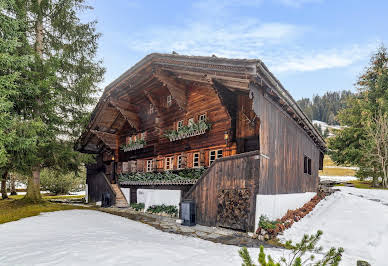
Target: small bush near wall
266,224
137,206
168,209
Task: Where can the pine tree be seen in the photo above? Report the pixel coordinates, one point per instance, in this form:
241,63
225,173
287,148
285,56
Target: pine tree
57,86
355,144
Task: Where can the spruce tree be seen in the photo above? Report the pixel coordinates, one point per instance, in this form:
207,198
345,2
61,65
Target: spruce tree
57,86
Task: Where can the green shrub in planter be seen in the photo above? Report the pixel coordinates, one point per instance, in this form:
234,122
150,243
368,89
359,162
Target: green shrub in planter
137,206
169,209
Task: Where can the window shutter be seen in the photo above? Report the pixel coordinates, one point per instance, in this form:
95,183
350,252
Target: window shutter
184,160
160,164
174,162
154,164
202,158
125,167
140,165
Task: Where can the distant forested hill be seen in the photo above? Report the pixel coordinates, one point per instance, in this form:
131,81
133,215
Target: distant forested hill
325,108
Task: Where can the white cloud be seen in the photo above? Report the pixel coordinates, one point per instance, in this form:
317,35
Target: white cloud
302,61
245,39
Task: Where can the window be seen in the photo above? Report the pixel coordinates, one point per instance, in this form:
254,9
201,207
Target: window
190,122
180,162
169,165
134,138
150,165
215,154
179,125
307,165
142,135
169,100
196,160
152,109
202,117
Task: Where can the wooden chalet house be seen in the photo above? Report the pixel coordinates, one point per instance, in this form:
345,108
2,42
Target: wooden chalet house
230,117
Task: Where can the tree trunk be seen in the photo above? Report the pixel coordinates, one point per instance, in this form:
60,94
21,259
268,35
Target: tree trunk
4,186
33,186
13,187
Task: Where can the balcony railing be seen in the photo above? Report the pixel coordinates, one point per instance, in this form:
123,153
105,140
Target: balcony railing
134,145
188,131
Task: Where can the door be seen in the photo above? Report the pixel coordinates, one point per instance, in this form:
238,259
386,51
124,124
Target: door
233,208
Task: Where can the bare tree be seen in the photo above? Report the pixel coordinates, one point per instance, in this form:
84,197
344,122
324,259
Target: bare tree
377,152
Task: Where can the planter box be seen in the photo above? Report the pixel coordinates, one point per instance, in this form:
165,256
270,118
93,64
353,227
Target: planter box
188,135
134,147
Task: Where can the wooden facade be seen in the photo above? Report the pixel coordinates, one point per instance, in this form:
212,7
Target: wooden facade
258,142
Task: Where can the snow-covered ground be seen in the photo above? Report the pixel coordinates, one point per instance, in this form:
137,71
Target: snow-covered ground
356,219
338,178
85,237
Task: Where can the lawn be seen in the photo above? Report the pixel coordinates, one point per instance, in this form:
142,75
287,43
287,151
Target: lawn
15,209
48,196
362,184
335,170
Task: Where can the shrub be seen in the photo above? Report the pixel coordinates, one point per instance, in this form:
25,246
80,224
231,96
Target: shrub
185,174
307,244
59,183
169,209
137,206
266,224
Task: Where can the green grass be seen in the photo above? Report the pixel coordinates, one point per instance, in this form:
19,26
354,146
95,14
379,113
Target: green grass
16,209
362,185
335,171
48,196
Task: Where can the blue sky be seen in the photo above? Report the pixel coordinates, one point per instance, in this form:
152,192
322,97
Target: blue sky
312,46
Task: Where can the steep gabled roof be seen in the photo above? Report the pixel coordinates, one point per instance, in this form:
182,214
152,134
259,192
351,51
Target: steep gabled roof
235,74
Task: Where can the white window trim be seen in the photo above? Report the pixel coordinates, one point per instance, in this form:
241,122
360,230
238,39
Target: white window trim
171,159
216,155
179,162
190,121
169,100
152,109
204,117
199,160
177,124
150,165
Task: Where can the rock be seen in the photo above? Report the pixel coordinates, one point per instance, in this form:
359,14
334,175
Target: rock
263,232
266,237
260,237
363,263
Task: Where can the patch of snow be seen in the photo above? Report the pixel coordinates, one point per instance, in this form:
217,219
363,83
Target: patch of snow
344,167
276,206
337,178
352,219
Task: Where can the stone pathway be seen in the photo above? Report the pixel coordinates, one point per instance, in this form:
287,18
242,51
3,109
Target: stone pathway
168,224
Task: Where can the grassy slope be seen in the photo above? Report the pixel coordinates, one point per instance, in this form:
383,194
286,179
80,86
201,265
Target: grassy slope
14,209
335,171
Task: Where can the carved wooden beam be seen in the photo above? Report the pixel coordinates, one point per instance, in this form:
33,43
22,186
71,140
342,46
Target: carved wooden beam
128,111
176,88
234,84
110,140
107,117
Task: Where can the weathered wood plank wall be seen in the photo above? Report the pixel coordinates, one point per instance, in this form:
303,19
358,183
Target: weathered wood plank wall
240,171
285,143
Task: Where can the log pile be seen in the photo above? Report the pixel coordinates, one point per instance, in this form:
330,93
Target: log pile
233,208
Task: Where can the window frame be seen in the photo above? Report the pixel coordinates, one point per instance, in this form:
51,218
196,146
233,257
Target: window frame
194,160
179,162
202,117
177,124
152,109
169,100
169,159
307,165
217,155
149,165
